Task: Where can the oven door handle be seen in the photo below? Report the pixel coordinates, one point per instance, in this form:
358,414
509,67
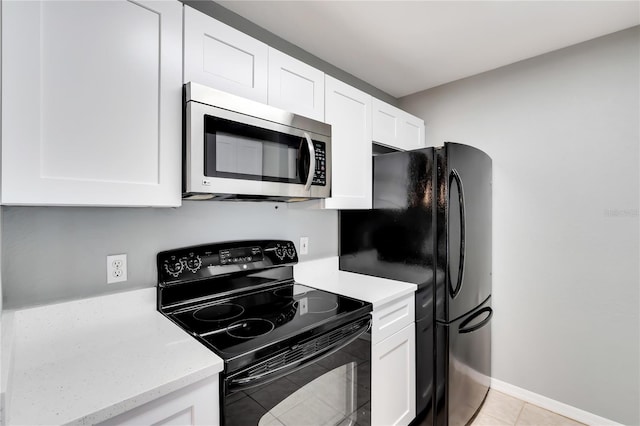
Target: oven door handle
240,383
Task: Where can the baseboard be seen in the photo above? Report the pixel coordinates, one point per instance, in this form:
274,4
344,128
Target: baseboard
551,404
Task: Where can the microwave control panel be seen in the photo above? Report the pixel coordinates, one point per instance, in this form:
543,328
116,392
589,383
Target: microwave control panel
320,176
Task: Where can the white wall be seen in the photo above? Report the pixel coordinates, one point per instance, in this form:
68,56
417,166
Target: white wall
59,253
563,130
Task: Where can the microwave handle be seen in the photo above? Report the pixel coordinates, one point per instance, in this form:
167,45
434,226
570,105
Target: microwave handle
312,162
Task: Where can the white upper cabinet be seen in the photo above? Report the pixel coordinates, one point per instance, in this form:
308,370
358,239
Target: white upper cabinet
348,110
396,128
219,56
91,103
295,86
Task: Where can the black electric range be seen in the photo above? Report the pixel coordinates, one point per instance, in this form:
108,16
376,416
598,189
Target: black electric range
240,300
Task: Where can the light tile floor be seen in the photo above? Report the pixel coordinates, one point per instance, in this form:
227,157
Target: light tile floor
504,410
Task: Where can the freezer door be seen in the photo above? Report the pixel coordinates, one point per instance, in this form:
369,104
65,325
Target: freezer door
463,241
465,357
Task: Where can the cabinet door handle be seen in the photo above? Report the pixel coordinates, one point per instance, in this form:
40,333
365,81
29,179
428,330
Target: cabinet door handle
312,162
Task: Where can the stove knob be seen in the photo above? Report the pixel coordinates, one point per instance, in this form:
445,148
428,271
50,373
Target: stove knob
280,252
193,263
291,251
173,267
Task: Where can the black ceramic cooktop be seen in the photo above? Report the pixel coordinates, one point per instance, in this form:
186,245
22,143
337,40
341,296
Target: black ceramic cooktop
253,320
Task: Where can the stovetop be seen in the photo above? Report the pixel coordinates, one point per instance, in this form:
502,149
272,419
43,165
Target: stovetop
247,322
240,299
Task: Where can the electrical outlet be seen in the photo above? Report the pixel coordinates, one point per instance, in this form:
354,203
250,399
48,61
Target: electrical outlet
116,268
304,245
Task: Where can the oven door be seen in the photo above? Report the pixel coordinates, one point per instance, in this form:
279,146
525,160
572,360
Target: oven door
324,381
239,153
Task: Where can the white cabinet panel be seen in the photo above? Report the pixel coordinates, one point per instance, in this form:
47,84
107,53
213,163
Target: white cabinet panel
348,110
295,86
412,132
224,58
197,404
393,379
396,128
91,103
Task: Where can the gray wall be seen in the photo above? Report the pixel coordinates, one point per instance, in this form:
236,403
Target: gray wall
563,131
59,253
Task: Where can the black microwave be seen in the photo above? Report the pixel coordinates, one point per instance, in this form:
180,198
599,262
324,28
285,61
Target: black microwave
239,149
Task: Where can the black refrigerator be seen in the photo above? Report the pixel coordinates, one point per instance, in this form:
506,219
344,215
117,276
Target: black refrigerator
431,225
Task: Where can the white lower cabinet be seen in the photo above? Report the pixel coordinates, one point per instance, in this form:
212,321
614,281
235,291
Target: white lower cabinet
393,379
393,364
196,404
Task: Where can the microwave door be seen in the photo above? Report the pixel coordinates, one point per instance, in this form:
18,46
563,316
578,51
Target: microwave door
245,155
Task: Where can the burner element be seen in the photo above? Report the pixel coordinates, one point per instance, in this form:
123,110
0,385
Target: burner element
287,292
318,305
221,312
249,328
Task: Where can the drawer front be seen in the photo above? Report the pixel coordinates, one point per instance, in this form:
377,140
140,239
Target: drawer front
393,317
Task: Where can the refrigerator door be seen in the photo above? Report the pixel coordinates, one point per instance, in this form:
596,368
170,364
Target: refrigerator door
463,241
395,239
464,354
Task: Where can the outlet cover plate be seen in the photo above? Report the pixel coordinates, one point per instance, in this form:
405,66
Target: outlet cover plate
304,245
116,268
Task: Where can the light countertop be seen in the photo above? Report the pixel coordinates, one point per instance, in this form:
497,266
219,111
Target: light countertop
85,361
325,275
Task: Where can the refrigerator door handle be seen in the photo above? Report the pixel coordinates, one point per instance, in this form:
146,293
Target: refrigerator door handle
462,328
454,176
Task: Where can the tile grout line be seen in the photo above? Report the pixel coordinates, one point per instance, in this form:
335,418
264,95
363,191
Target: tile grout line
520,413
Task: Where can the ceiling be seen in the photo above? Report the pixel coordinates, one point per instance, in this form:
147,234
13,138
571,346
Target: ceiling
403,47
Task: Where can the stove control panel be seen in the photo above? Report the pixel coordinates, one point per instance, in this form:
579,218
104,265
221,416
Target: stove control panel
240,255
210,260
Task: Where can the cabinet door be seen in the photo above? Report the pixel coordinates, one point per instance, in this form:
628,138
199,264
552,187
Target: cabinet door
393,379
348,110
224,58
197,404
385,123
295,86
91,103
396,128
412,132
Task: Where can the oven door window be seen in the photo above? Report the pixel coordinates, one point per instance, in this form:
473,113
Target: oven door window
334,390
241,151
